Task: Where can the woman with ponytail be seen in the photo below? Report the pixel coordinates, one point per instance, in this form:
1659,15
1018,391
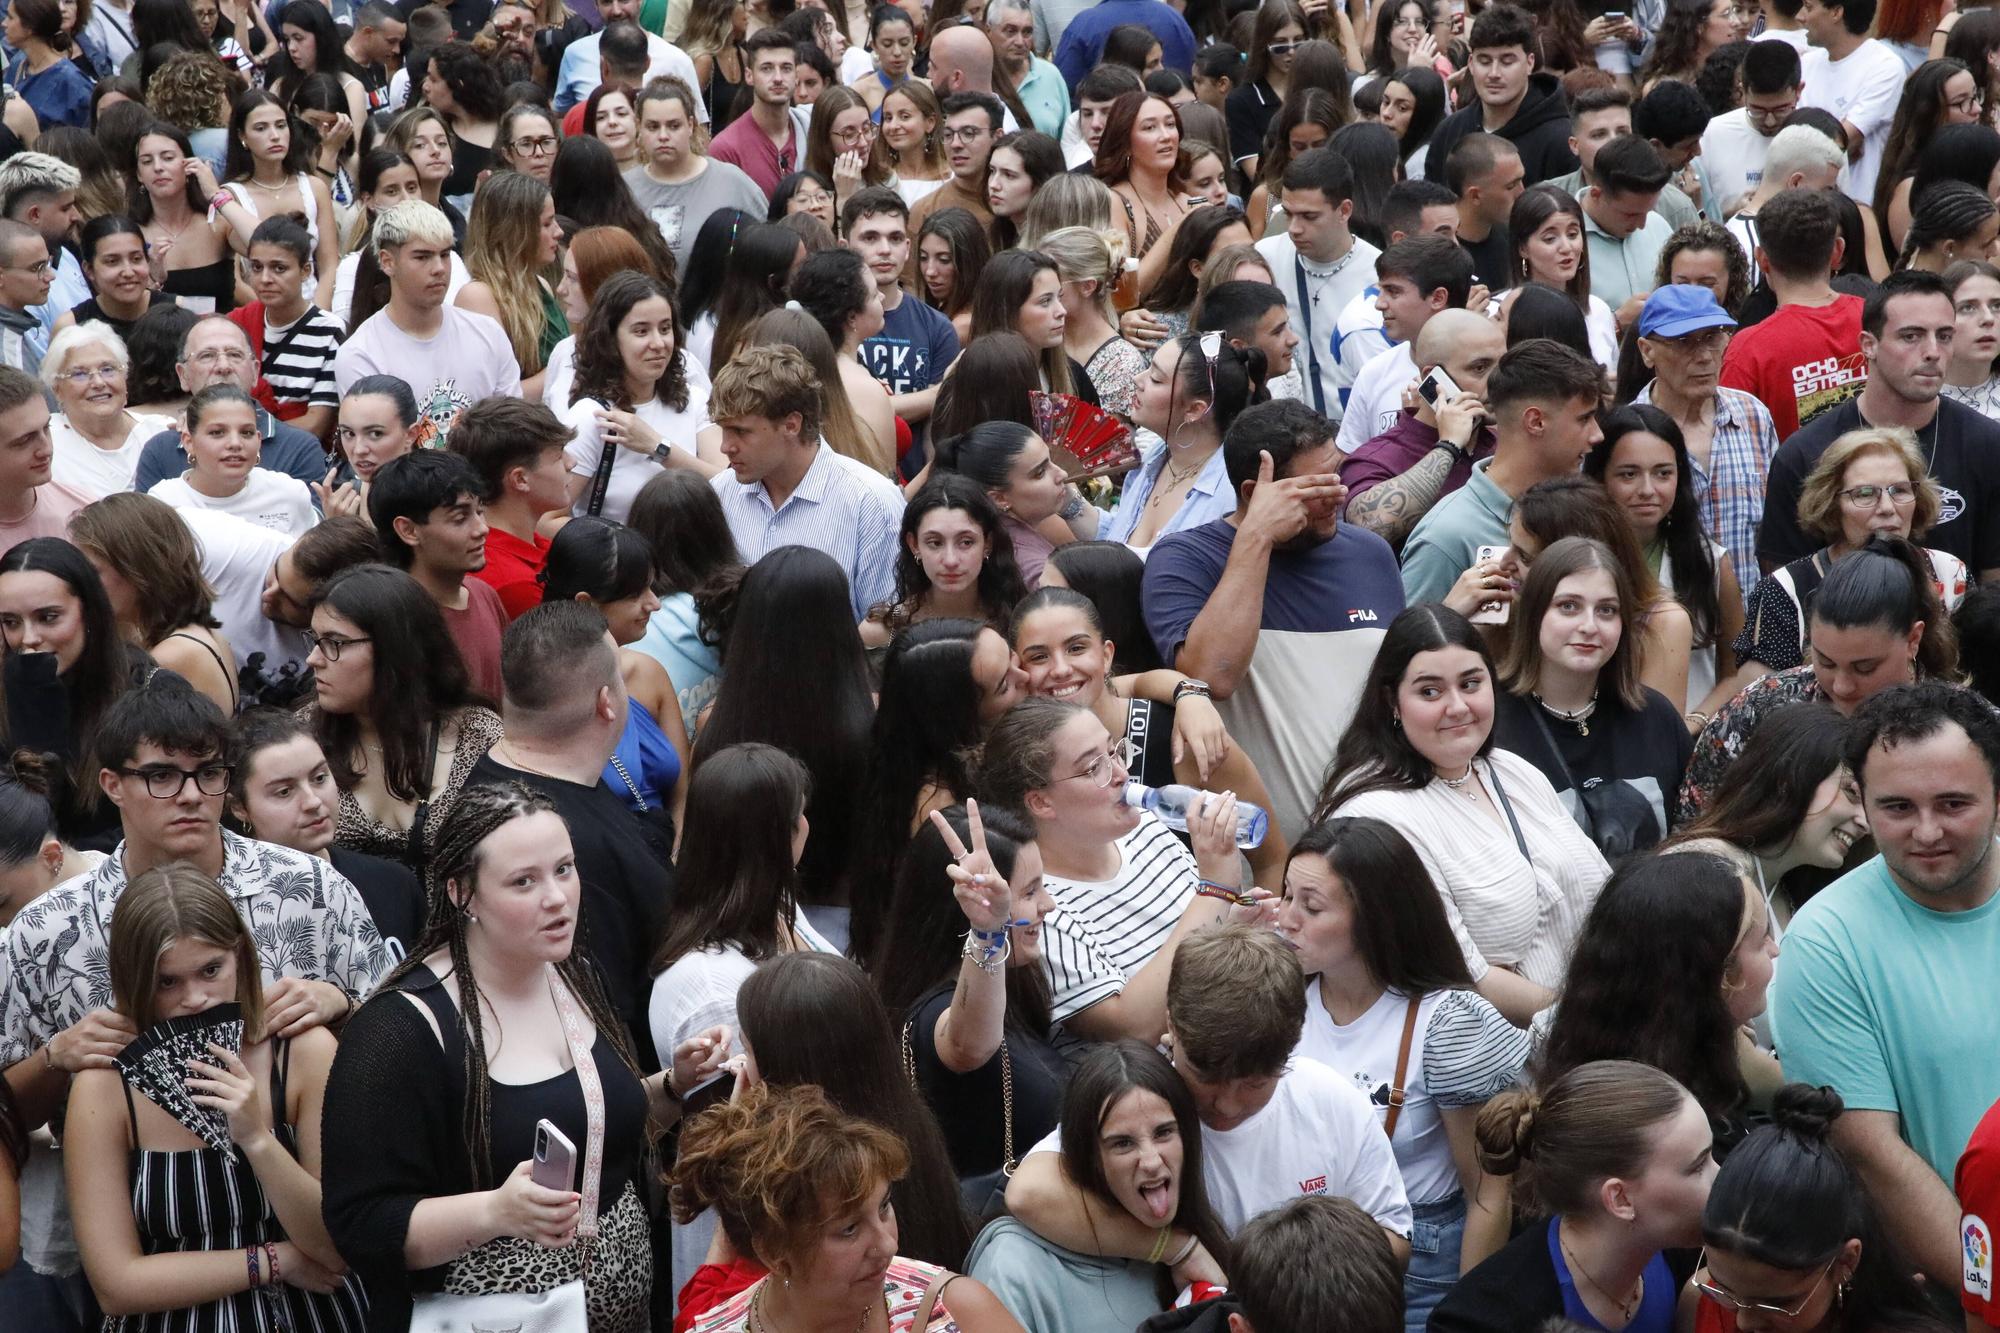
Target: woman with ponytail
1875,622
1618,1157
430,1116
1867,483
1792,1241
1949,221
1188,397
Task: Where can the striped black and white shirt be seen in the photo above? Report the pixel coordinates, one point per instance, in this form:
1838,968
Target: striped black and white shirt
1103,931
298,359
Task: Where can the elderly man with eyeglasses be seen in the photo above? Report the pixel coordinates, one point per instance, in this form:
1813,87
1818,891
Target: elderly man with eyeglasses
217,351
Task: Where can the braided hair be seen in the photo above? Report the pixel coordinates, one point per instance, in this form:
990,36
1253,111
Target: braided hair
1946,211
482,811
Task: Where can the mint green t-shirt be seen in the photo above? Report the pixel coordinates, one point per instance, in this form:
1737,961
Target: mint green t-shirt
1893,1006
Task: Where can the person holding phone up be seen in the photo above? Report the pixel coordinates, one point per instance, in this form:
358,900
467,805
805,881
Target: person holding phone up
430,1174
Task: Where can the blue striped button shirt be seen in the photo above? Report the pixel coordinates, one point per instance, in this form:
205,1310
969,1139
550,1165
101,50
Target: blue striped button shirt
841,507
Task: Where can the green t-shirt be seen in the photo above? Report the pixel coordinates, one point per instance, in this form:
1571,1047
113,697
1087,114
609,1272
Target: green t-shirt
1892,1005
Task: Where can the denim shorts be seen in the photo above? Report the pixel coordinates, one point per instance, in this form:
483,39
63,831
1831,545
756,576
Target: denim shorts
1436,1236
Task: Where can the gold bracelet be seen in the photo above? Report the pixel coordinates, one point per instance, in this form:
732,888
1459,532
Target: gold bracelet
1160,1245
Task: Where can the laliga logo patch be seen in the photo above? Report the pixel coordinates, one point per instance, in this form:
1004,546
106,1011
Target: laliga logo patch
1976,1247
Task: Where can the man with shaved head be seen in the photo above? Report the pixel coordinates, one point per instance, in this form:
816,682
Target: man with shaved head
1428,452
962,62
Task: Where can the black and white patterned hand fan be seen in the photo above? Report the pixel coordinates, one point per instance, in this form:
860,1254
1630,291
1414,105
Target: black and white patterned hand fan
156,1064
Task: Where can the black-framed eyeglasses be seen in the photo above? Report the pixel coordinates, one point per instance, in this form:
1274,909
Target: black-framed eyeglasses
1734,1303
330,646
167,781
541,147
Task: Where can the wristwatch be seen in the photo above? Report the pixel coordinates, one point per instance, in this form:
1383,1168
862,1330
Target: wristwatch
663,454
1191,686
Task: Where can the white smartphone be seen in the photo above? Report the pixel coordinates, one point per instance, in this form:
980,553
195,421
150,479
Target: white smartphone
1489,613
1437,388
555,1158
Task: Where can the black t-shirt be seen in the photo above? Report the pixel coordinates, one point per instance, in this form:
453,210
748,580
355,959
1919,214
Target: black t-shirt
1963,450
971,1107
624,862
1492,259
392,892
467,16
1629,767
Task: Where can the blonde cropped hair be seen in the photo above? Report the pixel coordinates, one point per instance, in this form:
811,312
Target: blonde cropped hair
411,220
1819,498
1083,254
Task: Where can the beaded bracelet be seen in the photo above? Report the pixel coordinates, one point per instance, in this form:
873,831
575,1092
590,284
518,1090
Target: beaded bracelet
1208,888
271,1262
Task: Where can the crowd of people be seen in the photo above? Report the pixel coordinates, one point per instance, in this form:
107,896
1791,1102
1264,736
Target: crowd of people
1016,666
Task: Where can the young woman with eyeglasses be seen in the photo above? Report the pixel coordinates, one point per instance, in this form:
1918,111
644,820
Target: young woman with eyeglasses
844,145
528,139
1939,93
1868,482
1128,890
1792,1241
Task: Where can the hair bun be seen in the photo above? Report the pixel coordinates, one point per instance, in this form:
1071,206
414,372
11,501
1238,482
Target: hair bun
34,770
1806,1111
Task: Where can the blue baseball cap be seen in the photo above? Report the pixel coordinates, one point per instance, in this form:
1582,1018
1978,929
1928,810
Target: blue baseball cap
1681,308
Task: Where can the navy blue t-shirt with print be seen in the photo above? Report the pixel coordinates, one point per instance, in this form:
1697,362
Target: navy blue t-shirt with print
911,353
1326,609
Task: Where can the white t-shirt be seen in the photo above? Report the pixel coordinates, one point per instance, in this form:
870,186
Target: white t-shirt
83,467
1377,397
467,359
1102,931
1316,309
629,471
1734,153
1316,1135
269,499
1462,1053
236,555
1863,90
1358,338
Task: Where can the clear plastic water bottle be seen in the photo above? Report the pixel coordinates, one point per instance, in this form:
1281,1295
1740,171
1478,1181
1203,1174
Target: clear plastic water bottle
1173,802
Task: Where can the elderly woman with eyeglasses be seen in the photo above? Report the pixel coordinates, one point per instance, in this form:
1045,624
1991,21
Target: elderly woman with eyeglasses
1868,481
97,441
528,139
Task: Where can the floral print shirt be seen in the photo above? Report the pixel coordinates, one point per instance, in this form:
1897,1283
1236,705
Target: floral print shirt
1728,733
307,920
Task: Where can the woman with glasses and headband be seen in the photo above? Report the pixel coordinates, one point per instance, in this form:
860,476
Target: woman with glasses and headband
844,146
1939,93
1792,1242
1868,482
394,712
97,441
528,139
1127,891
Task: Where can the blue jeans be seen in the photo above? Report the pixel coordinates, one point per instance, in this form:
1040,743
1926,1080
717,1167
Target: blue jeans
1435,1240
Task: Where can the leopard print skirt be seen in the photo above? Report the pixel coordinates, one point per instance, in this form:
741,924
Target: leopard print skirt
618,1290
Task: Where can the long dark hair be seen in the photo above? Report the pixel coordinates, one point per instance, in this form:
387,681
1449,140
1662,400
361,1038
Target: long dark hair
1786,1198
238,164
1428,90
590,192
419,677
480,812
1003,288
1374,754
1105,1076
1886,584
1535,207
758,270
999,584
1767,791
814,1018
990,382
922,942
1042,160
793,622
1109,574
1920,114
708,259
1697,583
605,561
970,249
1646,979
142,203
1400,929
734,878
1177,285
924,736
329,50
103,668
681,518
1375,154
600,366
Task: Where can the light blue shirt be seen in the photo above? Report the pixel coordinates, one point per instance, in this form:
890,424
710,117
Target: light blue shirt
1045,95
673,639
1442,545
582,70
1209,496
840,506
1621,270
1891,1005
